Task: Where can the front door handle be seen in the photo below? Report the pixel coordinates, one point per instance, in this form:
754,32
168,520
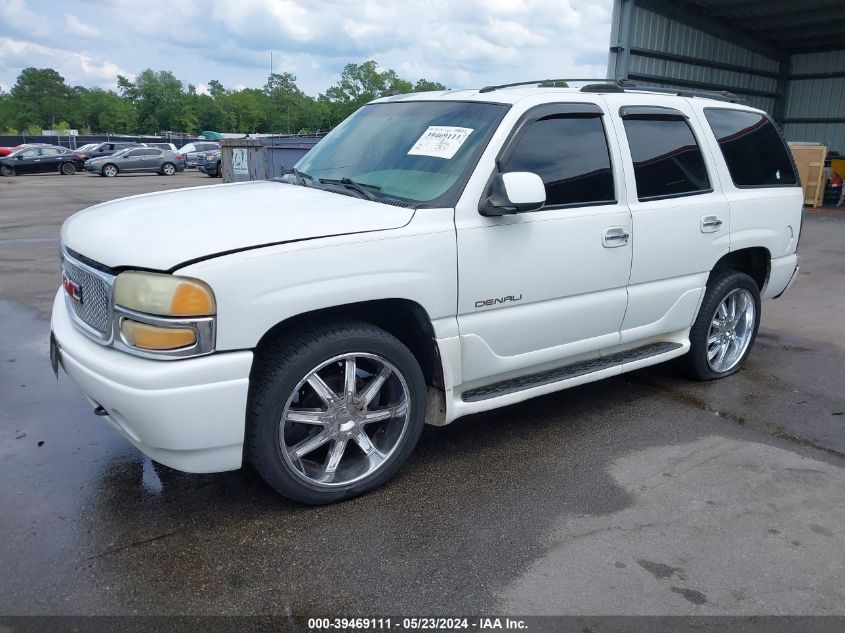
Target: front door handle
614,236
710,223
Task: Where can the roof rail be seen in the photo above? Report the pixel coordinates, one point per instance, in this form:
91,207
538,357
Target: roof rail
625,85
537,82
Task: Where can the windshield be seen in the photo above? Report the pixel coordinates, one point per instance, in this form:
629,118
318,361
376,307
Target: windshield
87,148
415,151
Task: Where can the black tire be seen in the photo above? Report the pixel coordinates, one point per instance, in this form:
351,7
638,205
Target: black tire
109,170
280,366
5,170
168,169
67,169
694,363
219,171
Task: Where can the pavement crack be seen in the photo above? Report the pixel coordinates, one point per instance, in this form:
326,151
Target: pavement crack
120,548
760,425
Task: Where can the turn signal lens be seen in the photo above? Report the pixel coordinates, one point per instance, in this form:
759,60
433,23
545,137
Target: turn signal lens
164,295
144,336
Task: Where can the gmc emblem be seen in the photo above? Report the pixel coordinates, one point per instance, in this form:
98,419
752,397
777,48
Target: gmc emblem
72,289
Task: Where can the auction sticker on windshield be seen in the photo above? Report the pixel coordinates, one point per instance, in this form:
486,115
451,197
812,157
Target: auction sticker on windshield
440,141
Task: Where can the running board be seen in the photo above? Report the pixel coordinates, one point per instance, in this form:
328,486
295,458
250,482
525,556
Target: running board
522,383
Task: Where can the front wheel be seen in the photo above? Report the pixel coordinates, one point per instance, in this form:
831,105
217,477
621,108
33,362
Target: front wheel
334,411
68,169
7,171
168,169
724,331
110,171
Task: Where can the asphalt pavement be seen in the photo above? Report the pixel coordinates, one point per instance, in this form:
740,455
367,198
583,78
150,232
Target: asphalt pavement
641,494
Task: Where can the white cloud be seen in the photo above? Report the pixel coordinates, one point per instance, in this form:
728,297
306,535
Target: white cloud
76,68
461,43
76,27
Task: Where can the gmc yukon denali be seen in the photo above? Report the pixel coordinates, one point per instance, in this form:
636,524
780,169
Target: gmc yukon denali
437,254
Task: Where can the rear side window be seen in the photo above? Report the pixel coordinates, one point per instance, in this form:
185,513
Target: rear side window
753,148
570,154
667,158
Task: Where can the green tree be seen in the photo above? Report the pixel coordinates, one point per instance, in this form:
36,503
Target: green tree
158,98
40,95
424,85
360,83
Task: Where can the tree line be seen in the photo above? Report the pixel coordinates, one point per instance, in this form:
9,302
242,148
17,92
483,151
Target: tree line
157,101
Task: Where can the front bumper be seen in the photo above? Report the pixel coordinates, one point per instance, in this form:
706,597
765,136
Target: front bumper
186,414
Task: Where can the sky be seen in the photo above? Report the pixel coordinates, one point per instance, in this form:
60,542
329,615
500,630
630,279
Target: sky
460,43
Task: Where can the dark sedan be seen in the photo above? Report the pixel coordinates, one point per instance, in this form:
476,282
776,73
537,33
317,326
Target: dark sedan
41,159
108,148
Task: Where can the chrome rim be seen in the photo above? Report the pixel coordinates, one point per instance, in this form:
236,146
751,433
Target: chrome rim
169,169
344,420
110,171
730,331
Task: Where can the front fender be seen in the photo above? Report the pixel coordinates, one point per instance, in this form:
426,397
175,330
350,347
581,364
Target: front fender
257,289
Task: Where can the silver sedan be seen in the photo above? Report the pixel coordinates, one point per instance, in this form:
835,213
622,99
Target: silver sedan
138,159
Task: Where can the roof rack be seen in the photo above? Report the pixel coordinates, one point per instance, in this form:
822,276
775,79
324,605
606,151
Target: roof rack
625,85
535,82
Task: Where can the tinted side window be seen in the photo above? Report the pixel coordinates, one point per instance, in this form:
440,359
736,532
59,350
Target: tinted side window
753,148
667,159
570,154
50,151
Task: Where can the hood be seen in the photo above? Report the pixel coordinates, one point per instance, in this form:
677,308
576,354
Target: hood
162,230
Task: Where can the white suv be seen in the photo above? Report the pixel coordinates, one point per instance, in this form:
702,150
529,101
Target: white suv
436,255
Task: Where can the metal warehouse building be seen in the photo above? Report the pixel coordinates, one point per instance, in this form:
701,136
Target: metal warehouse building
786,57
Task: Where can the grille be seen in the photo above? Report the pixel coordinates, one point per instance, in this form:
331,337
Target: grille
93,310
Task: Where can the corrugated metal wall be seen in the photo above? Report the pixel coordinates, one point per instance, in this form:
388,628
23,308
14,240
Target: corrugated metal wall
635,53
657,32
819,98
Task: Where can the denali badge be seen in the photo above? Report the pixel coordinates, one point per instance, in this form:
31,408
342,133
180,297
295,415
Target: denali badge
497,300
72,289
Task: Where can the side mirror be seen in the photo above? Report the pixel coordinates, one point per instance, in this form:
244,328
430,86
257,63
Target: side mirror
513,192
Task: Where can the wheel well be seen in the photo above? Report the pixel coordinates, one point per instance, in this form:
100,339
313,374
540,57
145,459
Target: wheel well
754,262
404,319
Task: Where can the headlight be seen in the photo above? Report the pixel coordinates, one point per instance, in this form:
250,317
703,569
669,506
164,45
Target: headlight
163,295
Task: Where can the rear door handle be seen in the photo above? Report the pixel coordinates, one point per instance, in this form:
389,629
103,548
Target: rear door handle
614,236
710,223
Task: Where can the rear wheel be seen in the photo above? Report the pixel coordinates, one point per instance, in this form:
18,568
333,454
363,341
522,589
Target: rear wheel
110,171
724,331
335,410
7,171
68,169
168,169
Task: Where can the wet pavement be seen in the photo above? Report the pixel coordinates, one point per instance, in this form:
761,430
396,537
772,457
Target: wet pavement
644,493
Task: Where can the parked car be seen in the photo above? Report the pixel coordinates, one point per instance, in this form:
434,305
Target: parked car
41,159
5,151
109,148
169,146
210,163
191,150
491,246
137,159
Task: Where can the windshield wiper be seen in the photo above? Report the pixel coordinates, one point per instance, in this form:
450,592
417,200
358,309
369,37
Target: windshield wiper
300,175
360,187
